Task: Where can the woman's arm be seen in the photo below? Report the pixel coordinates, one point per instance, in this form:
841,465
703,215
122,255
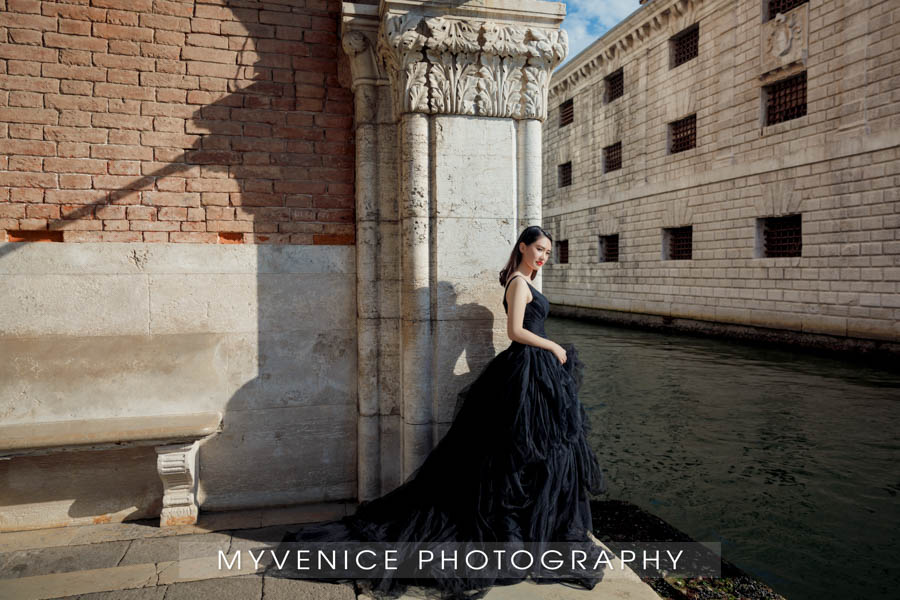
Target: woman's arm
516,299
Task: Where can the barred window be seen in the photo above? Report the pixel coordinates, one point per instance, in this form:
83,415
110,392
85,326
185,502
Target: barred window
786,99
564,174
609,248
562,251
685,45
782,236
566,112
612,157
615,85
683,134
782,6
679,243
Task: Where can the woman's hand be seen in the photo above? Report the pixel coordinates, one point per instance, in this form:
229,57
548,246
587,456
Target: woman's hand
559,352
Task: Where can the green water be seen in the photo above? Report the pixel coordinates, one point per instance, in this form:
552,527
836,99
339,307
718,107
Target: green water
789,459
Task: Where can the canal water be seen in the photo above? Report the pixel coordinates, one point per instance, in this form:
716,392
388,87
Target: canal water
790,459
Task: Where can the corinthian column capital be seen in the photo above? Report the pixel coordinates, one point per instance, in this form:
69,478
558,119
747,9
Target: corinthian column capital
488,60
359,34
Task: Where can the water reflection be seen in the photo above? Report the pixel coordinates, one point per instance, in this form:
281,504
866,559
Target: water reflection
788,458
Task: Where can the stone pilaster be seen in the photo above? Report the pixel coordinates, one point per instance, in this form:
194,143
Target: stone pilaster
450,98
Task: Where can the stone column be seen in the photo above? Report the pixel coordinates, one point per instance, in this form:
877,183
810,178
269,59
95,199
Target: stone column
467,95
359,35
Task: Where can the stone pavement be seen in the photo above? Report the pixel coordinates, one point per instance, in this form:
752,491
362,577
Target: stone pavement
137,560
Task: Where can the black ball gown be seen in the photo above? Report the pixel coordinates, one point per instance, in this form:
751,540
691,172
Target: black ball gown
515,466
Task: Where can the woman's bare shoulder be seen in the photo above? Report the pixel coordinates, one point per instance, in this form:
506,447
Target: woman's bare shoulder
510,283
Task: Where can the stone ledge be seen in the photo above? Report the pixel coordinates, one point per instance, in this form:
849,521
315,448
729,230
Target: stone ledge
78,433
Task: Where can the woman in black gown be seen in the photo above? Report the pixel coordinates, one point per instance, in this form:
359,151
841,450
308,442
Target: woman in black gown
514,467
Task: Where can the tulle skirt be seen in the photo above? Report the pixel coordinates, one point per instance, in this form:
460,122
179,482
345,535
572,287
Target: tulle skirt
515,466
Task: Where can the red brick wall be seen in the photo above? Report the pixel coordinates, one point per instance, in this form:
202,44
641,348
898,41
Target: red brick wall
208,121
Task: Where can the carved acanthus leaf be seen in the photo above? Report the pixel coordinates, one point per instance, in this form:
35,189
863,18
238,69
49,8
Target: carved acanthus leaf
504,40
451,35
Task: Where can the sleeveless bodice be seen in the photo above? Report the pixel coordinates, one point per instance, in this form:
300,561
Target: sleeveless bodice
536,311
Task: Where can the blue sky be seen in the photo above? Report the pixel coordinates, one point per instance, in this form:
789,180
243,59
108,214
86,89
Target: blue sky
586,20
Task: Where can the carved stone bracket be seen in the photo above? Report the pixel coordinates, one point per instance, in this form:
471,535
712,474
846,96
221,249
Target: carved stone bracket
444,65
177,465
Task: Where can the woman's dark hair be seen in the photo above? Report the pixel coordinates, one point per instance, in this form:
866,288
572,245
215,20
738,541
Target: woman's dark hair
528,235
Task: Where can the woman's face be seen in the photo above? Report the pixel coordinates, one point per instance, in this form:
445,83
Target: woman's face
535,254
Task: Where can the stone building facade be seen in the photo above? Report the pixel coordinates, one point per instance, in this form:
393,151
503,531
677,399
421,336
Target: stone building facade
732,165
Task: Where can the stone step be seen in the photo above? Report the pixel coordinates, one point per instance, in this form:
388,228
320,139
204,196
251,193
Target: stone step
138,561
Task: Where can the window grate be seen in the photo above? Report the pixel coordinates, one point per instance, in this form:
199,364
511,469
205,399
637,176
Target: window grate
783,235
684,134
783,6
685,46
562,251
609,248
615,85
566,112
680,243
564,173
786,99
612,157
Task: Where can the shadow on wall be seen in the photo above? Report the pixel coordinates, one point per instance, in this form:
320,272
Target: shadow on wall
277,150
272,158
291,428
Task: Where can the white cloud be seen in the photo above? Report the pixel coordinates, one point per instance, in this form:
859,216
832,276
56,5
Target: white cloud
586,20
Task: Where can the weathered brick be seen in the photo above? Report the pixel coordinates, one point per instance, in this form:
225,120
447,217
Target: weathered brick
68,11
171,199
172,214
74,165
178,9
79,88
165,22
206,41
59,71
42,211
113,90
75,182
134,5
141,213
120,32
193,237
110,212
15,20
29,115
116,224
77,42
116,151
30,99
29,195
122,17
116,182
77,211
75,196
74,27
154,226
170,51
25,37
206,26
208,55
